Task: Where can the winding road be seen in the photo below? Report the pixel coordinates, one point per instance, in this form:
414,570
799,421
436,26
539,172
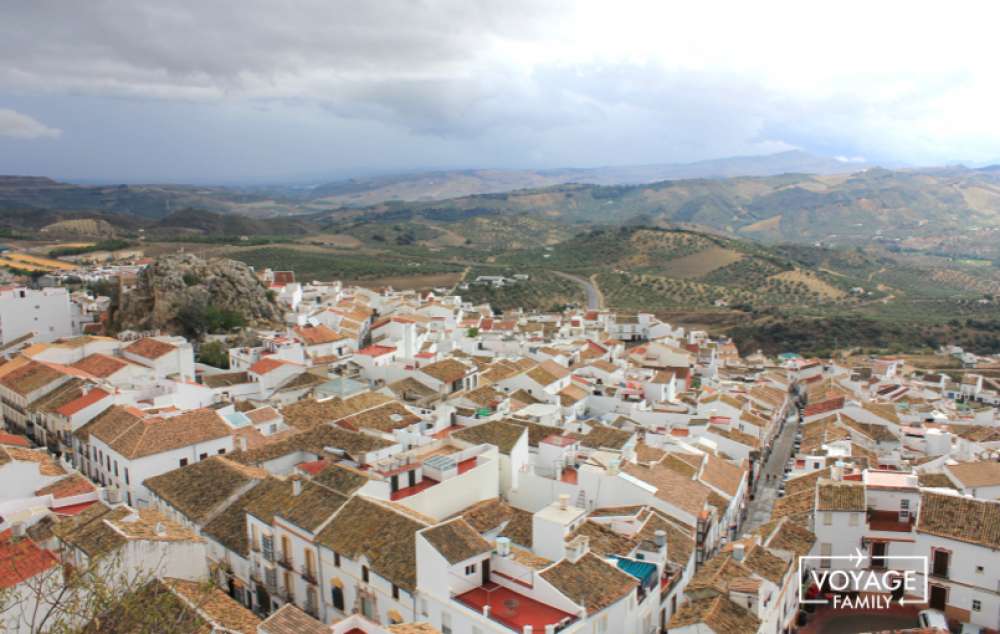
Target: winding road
595,299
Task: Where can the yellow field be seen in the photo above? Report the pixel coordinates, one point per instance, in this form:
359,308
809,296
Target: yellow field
34,262
814,284
701,263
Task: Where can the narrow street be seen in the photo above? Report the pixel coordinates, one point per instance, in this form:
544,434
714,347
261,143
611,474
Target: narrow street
767,492
594,298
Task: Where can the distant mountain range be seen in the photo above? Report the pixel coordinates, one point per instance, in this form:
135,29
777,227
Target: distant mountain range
789,197
441,185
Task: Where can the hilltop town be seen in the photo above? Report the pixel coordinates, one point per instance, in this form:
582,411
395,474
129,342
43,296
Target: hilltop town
396,461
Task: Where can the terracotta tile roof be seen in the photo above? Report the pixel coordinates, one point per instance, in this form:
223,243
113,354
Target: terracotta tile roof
719,613
312,506
309,413
571,394
93,396
21,559
972,475
798,507
150,348
225,379
31,377
291,620
413,628
718,572
150,524
384,418
547,372
381,534
72,485
100,365
456,540
270,364
263,501
110,423
603,541
503,435
602,437
590,581
766,564
805,482
680,541
263,415
215,605
788,536
960,518
935,480
671,487
735,435
537,432
14,440
150,436
840,496
47,465
822,407
447,370
198,490
722,474
316,335
494,513
89,532
315,441
645,453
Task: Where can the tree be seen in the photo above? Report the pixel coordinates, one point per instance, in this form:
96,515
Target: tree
214,353
89,594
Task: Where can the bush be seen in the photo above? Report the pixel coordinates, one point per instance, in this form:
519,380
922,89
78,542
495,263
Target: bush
197,318
215,354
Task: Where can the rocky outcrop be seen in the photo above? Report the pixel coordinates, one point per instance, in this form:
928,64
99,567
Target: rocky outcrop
173,284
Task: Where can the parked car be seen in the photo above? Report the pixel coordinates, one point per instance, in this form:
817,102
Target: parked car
933,619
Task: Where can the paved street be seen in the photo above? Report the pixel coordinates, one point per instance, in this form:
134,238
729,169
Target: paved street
767,492
594,299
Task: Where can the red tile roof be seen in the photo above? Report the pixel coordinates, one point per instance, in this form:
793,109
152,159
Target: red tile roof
93,396
21,560
822,407
14,439
267,364
100,365
150,348
376,350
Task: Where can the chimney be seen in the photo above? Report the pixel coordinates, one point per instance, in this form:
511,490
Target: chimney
503,546
564,501
296,487
577,548
160,529
614,465
738,550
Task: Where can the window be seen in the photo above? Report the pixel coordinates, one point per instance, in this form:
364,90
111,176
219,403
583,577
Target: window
395,592
364,574
445,623
976,605
184,462
268,547
825,550
470,569
203,456
338,598
853,519
979,570
336,559
827,518
423,607
222,451
116,468
126,475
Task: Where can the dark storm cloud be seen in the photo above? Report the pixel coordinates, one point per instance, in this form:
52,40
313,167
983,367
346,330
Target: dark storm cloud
227,88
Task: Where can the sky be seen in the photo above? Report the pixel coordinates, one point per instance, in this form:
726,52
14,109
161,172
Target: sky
248,91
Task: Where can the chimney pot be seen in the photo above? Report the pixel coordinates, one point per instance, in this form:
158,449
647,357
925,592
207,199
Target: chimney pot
296,487
564,501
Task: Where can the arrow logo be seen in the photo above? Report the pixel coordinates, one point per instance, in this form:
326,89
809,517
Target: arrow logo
858,557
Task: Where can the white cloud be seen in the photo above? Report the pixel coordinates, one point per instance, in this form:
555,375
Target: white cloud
20,126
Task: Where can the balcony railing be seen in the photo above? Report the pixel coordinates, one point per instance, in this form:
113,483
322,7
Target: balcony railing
308,575
286,563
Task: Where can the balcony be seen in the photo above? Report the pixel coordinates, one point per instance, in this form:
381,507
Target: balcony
889,521
308,575
285,562
512,609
